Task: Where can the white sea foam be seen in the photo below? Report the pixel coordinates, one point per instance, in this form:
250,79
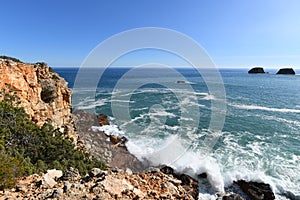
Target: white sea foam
85,105
255,107
109,129
173,151
260,162
279,119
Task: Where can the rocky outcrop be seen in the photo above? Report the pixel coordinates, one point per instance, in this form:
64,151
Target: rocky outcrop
256,70
43,94
256,191
102,146
102,120
99,184
286,71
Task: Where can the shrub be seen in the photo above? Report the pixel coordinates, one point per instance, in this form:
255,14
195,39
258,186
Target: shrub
29,149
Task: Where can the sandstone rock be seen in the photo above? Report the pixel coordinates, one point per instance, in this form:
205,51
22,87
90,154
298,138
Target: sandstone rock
102,120
114,139
286,71
48,180
43,94
256,70
256,191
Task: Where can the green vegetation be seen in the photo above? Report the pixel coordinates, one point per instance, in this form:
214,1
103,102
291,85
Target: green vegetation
26,148
10,58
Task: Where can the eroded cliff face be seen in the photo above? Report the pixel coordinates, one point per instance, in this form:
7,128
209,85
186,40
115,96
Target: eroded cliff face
43,94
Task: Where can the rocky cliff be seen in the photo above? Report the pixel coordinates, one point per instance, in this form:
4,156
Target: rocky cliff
43,94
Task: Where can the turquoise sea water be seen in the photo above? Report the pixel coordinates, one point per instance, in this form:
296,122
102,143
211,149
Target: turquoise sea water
260,139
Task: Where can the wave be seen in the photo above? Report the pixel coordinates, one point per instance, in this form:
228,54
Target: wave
228,164
256,107
108,129
88,103
170,151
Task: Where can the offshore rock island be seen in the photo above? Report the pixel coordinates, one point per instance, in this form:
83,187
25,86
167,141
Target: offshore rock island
45,97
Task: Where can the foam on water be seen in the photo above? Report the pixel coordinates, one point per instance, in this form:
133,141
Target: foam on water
172,151
108,129
259,145
255,107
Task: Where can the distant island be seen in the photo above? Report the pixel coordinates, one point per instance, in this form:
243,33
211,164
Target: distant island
256,70
286,71
260,70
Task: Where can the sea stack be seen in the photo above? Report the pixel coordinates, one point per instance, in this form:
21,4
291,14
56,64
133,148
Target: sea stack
256,70
286,71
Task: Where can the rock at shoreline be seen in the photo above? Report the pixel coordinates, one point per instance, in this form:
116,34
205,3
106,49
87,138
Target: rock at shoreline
187,182
286,71
256,70
98,144
256,191
102,120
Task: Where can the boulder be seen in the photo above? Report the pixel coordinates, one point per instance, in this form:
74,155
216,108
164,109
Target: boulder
286,71
71,175
256,70
48,180
102,120
256,191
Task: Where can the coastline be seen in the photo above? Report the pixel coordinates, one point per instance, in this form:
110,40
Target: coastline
116,156
243,189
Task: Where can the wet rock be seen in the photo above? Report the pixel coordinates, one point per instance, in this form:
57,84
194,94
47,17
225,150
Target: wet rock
102,120
256,191
232,197
114,139
167,170
202,175
190,185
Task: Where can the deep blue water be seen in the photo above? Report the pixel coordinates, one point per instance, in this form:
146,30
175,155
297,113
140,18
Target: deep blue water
260,139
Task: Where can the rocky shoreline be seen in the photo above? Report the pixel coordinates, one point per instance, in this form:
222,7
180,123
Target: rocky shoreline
125,177
118,156
44,94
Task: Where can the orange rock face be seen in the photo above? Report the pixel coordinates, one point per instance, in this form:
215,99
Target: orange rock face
43,94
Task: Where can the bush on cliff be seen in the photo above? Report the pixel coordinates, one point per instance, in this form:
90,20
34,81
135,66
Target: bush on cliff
26,148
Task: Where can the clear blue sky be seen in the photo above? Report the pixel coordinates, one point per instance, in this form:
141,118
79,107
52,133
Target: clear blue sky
235,33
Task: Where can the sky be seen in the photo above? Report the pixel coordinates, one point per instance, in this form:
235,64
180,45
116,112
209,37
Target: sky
234,33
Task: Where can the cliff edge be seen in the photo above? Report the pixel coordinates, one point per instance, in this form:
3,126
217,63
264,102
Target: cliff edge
42,92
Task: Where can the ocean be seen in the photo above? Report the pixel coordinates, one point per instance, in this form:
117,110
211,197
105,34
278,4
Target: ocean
167,117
